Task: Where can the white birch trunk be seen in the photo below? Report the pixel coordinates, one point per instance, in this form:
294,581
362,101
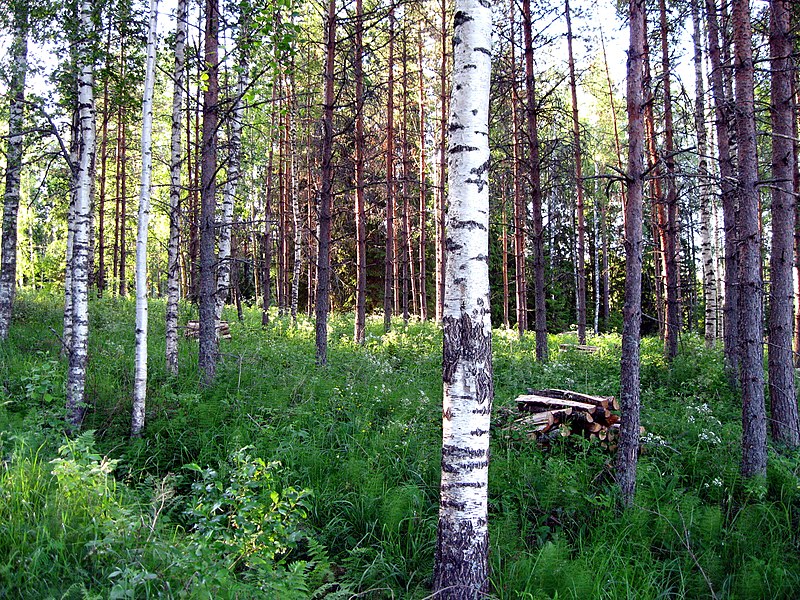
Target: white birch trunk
173,259
706,199
229,193
296,217
140,367
76,377
8,264
461,569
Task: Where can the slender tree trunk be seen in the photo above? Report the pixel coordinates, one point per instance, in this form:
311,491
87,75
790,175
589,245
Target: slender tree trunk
360,212
101,209
232,181
140,367
461,568
628,452
751,369
74,153
504,254
724,116
423,189
706,202
173,265
576,135
796,177
326,193
389,281
785,425
8,264
441,208
406,272
76,377
297,220
670,246
266,285
520,206
207,358
540,315
123,205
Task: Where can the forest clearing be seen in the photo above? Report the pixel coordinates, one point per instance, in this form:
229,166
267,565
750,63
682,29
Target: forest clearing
358,482
280,284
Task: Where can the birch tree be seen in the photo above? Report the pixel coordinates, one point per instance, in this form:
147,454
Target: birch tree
140,366
461,568
628,452
76,377
16,88
706,205
173,258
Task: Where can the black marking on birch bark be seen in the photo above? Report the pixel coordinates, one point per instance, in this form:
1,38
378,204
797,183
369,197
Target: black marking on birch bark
455,127
456,41
469,225
452,451
484,50
482,411
462,484
460,18
479,432
459,280
485,3
461,568
479,182
459,86
481,258
470,66
474,464
451,245
454,504
479,171
462,148
474,111
447,414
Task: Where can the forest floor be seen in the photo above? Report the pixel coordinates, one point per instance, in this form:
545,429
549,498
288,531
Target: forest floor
285,480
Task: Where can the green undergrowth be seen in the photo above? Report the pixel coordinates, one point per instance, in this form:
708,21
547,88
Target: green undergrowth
287,480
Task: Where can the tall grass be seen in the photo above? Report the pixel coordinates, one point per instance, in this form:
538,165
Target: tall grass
105,516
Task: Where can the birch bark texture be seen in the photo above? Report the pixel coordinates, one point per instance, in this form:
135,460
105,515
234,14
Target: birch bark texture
16,88
140,353
461,567
785,426
628,453
76,376
234,171
173,252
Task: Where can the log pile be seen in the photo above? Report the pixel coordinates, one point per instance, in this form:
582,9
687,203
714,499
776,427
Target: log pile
562,412
583,348
193,330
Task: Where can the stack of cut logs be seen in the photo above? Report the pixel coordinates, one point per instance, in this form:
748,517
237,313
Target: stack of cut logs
567,413
193,330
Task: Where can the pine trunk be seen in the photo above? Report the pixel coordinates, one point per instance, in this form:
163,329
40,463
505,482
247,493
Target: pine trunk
628,451
207,358
360,213
783,399
540,308
751,349
670,245
326,194
576,138
389,280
